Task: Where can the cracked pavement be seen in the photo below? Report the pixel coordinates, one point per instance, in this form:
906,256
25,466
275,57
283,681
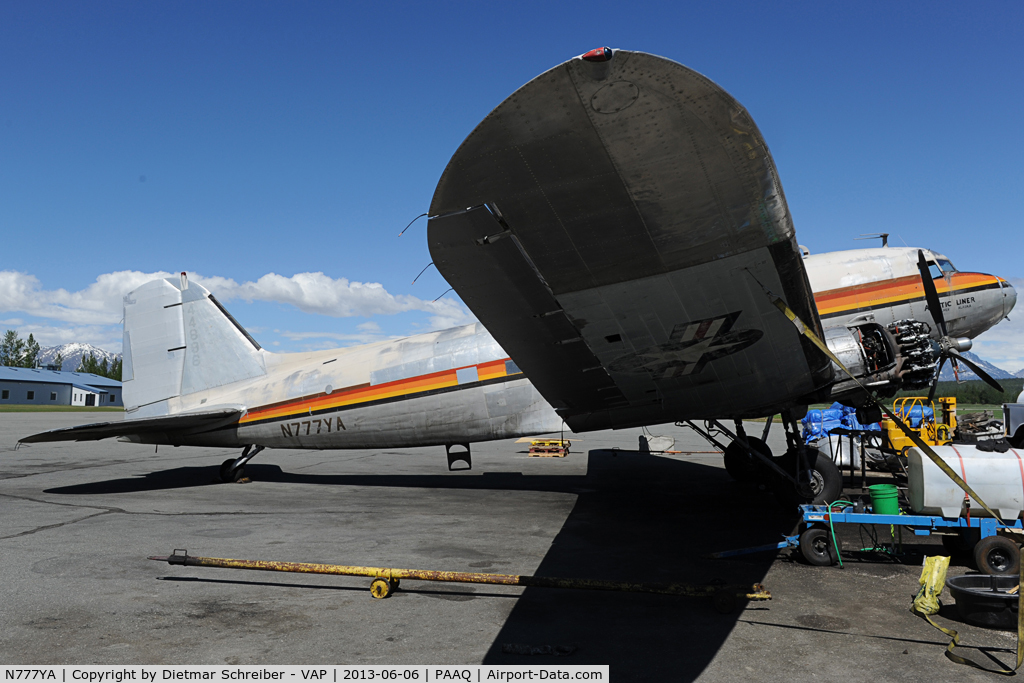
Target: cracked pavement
78,521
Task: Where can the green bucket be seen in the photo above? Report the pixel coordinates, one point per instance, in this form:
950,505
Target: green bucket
884,499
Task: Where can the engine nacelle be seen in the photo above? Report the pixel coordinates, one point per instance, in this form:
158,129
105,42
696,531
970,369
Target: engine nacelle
884,359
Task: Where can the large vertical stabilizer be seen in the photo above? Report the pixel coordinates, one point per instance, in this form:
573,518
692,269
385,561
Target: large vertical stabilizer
178,341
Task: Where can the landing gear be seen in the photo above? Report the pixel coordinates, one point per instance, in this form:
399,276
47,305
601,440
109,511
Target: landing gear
233,469
800,475
229,473
813,477
818,482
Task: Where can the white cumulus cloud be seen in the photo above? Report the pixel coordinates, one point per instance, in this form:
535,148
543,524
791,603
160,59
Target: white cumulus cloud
317,293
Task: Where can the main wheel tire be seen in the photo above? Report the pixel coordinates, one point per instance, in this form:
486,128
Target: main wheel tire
997,555
823,480
229,475
738,462
816,547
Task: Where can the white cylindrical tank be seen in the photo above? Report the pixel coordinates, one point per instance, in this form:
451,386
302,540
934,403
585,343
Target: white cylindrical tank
997,477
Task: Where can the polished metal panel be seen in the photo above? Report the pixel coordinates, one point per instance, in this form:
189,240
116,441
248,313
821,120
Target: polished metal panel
446,350
842,341
467,375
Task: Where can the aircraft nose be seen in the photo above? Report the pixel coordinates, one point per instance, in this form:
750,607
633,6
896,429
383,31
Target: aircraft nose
1009,298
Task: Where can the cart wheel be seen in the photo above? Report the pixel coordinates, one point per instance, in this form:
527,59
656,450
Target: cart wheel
380,588
738,462
816,547
997,555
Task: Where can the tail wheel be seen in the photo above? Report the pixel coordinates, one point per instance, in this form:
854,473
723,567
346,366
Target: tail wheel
230,475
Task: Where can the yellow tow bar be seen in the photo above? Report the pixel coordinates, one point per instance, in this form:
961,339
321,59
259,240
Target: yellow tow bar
386,580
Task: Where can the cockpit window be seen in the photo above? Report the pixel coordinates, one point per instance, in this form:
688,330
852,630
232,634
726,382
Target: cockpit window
940,267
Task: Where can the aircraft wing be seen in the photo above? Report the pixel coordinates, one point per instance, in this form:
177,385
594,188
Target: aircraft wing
612,224
182,424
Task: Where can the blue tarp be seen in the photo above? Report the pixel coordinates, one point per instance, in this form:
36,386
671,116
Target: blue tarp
818,423
913,416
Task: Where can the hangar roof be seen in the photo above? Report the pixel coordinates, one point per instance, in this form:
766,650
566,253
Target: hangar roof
9,374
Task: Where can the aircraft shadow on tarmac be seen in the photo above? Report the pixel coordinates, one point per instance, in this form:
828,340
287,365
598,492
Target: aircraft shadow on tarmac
637,517
186,477
644,518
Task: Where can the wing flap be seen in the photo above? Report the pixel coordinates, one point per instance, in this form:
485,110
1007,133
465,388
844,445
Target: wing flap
482,257
181,424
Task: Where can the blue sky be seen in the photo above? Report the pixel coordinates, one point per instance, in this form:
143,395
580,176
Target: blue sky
251,143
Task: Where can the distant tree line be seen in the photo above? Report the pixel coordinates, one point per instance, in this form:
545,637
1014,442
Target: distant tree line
16,352
975,392
89,364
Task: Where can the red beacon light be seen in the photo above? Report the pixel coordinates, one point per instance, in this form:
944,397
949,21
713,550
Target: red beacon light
601,54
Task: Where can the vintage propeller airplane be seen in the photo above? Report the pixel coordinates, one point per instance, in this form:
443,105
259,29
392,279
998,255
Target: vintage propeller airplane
614,225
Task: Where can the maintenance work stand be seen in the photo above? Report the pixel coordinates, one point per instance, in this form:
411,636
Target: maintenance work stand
993,553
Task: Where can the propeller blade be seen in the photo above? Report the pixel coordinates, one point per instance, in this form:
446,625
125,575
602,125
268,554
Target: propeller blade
978,371
935,380
930,295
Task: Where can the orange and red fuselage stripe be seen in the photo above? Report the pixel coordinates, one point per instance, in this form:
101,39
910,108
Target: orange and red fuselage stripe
830,303
363,394
873,295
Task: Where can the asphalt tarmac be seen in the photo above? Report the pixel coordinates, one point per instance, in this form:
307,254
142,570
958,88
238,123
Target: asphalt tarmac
78,520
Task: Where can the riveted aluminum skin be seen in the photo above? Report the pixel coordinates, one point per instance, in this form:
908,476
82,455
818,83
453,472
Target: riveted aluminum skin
610,223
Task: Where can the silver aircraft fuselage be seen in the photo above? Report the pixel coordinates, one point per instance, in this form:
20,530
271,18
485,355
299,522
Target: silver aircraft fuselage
459,386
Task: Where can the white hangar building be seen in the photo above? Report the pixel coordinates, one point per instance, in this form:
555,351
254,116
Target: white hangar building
35,386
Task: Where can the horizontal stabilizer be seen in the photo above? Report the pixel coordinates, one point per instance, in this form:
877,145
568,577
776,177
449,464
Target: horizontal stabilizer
180,424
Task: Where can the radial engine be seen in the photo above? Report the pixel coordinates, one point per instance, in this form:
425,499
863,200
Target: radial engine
901,355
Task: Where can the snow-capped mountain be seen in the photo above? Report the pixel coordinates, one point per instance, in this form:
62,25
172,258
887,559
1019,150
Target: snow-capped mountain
966,373
73,354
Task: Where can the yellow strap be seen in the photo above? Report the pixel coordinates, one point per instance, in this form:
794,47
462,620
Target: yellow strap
939,462
954,636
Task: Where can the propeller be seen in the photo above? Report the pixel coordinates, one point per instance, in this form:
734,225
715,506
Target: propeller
949,347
